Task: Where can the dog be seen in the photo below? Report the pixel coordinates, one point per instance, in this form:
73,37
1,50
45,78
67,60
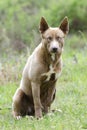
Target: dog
38,84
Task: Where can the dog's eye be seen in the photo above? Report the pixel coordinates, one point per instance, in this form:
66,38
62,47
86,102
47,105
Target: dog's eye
58,38
49,38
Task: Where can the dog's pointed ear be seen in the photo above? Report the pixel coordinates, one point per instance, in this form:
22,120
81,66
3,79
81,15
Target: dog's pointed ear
43,25
64,26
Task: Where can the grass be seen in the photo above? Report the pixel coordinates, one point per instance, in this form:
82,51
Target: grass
71,97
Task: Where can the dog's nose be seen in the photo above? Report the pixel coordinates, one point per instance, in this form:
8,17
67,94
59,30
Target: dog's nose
54,50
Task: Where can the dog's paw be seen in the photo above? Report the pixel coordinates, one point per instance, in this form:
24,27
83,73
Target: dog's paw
18,117
38,114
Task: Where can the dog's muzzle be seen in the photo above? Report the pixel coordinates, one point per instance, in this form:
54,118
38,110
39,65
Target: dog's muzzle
54,50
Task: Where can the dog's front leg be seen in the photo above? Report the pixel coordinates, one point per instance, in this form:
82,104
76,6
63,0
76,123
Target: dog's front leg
36,98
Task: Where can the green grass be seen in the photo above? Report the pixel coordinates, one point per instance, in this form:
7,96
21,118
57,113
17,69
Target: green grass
71,97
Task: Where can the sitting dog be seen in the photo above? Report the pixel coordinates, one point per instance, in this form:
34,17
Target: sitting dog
37,88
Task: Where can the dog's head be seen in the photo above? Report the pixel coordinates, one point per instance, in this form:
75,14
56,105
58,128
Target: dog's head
53,38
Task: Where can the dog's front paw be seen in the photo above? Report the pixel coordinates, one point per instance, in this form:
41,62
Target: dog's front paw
38,113
46,109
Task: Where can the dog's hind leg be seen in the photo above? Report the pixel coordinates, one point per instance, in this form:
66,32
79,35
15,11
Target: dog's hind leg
21,105
17,102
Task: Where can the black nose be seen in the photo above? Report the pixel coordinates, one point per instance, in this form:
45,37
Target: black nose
54,49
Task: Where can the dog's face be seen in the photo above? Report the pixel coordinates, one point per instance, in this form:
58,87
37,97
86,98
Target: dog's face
53,38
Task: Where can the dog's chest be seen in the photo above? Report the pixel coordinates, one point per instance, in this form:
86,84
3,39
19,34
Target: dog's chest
51,75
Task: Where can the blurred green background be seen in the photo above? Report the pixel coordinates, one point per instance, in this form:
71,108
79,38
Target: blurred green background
19,20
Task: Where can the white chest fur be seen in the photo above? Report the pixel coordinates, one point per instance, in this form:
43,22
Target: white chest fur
50,72
53,57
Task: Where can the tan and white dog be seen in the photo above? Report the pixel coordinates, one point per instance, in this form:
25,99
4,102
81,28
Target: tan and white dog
37,87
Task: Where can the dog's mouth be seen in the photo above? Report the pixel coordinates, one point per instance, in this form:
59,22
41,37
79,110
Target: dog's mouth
54,50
